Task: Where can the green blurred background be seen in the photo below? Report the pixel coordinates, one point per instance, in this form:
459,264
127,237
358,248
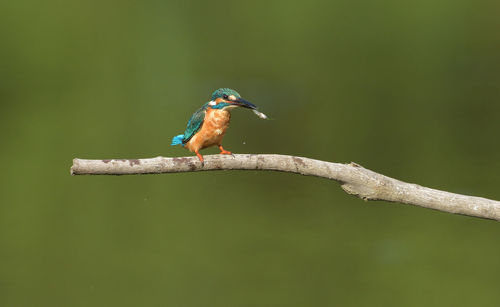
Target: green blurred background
408,89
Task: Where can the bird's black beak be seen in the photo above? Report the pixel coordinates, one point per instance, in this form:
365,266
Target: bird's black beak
243,103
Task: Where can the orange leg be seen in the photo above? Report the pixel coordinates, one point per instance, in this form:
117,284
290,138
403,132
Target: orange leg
200,157
223,151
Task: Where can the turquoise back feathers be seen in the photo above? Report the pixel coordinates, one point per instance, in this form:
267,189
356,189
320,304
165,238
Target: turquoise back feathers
194,124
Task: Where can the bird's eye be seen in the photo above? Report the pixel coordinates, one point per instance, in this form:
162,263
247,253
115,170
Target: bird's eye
224,96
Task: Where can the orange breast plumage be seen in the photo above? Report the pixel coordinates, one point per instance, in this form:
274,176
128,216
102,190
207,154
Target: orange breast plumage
212,131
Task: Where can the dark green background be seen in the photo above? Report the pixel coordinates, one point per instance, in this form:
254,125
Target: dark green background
406,88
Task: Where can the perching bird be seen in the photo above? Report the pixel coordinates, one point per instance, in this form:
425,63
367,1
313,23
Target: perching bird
207,125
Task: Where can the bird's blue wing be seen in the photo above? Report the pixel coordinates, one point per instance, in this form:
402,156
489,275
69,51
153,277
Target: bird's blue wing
194,124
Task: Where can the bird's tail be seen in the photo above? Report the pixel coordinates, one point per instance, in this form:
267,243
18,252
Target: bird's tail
177,140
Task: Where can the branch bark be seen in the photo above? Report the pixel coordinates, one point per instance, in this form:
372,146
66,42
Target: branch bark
353,178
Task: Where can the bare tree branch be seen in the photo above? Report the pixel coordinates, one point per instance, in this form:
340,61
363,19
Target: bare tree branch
353,178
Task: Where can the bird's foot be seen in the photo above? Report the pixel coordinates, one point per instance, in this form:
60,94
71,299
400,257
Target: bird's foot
223,151
201,158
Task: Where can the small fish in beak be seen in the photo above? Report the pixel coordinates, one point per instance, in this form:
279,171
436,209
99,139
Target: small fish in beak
260,114
247,104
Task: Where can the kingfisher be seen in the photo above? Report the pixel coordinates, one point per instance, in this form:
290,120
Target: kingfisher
208,124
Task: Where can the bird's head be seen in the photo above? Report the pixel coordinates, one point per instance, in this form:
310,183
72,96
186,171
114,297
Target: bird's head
226,98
